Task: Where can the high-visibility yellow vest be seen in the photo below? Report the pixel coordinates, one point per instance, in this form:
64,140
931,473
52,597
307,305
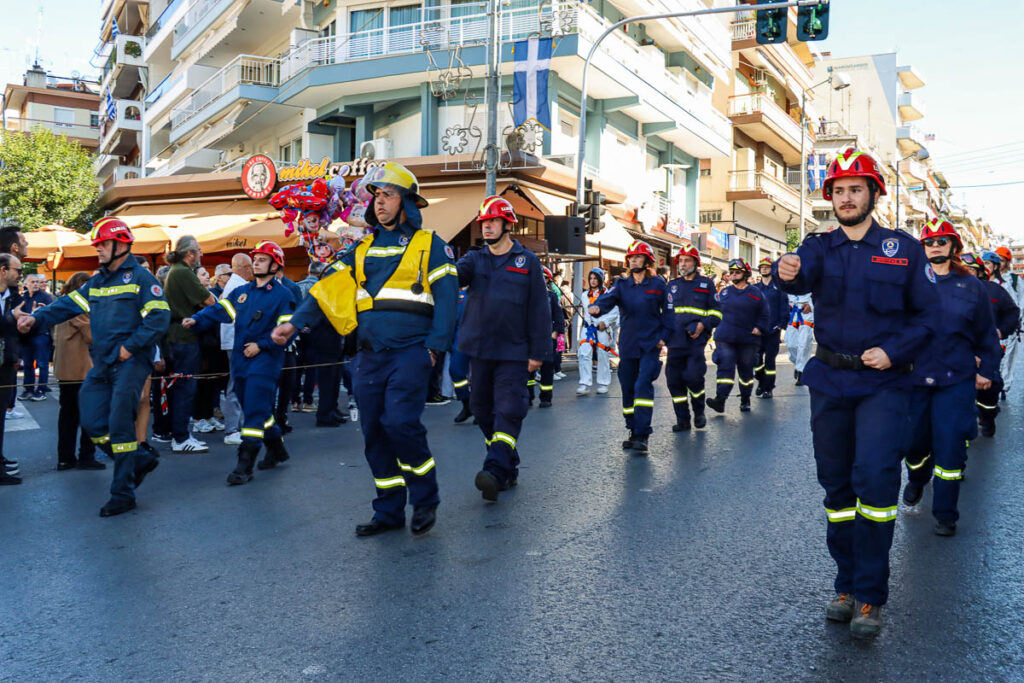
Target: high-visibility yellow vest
336,296
408,288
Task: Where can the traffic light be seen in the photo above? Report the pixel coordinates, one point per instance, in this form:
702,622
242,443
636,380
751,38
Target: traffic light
593,207
812,22
771,24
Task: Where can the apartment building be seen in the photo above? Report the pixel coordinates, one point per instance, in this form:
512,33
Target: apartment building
65,106
750,198
397,79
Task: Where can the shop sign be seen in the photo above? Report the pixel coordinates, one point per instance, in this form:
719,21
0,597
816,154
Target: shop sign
260,175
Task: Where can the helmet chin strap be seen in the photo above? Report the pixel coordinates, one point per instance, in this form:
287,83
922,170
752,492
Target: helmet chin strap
938,259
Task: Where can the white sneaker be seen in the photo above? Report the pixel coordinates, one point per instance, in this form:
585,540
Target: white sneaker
189,445
202,426
14,413
217,425
559,375
233,439
602,388
582,390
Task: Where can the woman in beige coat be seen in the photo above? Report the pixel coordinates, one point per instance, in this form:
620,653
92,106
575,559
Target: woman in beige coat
71,362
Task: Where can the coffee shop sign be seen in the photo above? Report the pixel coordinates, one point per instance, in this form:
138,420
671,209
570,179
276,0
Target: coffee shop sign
260,174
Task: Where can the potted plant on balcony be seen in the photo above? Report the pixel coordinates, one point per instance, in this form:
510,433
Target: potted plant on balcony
132,48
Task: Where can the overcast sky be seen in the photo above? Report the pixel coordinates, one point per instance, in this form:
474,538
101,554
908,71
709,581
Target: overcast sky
964,51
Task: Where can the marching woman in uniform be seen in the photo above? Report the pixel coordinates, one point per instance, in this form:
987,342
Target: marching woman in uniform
642,299
1007,316
778,316
695,310
800,333
946,376
597,339
745,318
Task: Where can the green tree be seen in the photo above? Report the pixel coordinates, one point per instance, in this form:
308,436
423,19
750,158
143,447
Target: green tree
46,179
792,239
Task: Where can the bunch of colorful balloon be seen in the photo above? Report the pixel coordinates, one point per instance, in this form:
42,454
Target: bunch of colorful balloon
310,210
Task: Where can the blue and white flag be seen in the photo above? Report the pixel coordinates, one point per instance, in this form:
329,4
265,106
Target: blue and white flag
111,107
816,171
530,82
115,30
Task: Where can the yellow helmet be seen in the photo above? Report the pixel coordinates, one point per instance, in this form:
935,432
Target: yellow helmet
398,176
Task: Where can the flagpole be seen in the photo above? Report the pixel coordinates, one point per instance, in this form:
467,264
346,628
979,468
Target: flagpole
648,17
493,90
803,161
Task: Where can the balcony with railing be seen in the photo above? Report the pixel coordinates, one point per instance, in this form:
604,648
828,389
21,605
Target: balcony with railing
224,88
914,168
744,38
197,18
85,134
757,115
121,73
761,190
909,139
120,135
910,107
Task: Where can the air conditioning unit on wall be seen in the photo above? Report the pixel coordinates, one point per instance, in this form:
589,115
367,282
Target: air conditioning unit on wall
380,148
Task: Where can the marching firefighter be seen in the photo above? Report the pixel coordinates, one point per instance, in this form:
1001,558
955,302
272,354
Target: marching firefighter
128,314
506,332
946,376
596,339
876,304
547,368
800,333
745,319
1007,315
778,318
399,284
695,314
255,308
642,300
1013,286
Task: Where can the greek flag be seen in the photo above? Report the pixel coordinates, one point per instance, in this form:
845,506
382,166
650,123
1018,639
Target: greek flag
111,107
816,171
115,30
530,82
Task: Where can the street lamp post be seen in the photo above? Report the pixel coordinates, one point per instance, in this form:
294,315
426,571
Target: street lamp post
919,155
838,81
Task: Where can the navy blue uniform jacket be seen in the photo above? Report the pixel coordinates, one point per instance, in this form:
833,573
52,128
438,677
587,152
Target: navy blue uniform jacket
778,305
692,301
646,317
742,311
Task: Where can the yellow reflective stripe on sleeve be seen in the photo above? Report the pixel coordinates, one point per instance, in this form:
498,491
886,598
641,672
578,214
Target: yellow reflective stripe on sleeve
948,475
982,405
385,251
461,383
912,466
255,433
154,305
696,311
389,483
695,395
643,403
269,423
759,368
715,314
627,411
746,384
124,447
679,399
876,514
441,271
282,319
547,387
113,291
228,307
101,439
502,436
724,381
82,302
769,372
844,515
421,470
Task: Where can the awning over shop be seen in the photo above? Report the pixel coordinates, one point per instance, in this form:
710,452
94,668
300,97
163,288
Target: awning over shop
49,238
451,209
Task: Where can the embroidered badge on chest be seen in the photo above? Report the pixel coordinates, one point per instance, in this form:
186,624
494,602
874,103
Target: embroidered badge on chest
156,290
242,298
448,252
520,261
127,277
929,273
403,240
890,247
674,288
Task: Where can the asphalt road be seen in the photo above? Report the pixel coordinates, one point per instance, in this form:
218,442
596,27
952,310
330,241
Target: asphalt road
704,561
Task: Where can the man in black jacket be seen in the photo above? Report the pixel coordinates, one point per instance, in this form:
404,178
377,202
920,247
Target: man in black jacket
12,242
10,274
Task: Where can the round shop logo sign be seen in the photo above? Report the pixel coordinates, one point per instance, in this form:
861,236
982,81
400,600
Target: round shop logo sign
259,176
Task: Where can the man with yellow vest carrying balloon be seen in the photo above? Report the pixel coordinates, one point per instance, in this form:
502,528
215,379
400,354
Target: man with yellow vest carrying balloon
399,284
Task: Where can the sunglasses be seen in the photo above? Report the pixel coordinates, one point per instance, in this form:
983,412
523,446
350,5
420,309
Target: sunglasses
936,241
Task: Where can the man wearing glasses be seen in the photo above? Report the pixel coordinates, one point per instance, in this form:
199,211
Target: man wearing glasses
10,274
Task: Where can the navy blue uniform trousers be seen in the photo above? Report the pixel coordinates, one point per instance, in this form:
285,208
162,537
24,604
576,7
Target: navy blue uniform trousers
735,359
636,379
764,373
390,386
498,399
458,370
108,403
684,375
942,420
256,396
858,445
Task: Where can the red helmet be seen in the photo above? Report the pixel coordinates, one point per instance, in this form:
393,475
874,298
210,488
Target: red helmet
852,163
1004,252
764,262
640,248
691,252
937,227
497,207
111,228
270,249
739,264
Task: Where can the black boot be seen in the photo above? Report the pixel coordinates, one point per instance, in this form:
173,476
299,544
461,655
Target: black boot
699,421
912,493
988,426
488,485
628,443
682,426
423,519
276,453
464,414
640,444
744,404
717,404
242,473
799,375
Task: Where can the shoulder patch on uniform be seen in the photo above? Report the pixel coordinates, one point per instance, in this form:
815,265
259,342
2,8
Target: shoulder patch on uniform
156,291
520,261
890,246
127,277
242,297
448,252
929,273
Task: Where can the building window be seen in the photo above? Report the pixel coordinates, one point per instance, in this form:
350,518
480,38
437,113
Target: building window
711,216
94,120
705,173
567,126
290,152
329,30
65,118
746,251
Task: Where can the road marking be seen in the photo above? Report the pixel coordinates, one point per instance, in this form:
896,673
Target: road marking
23,424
